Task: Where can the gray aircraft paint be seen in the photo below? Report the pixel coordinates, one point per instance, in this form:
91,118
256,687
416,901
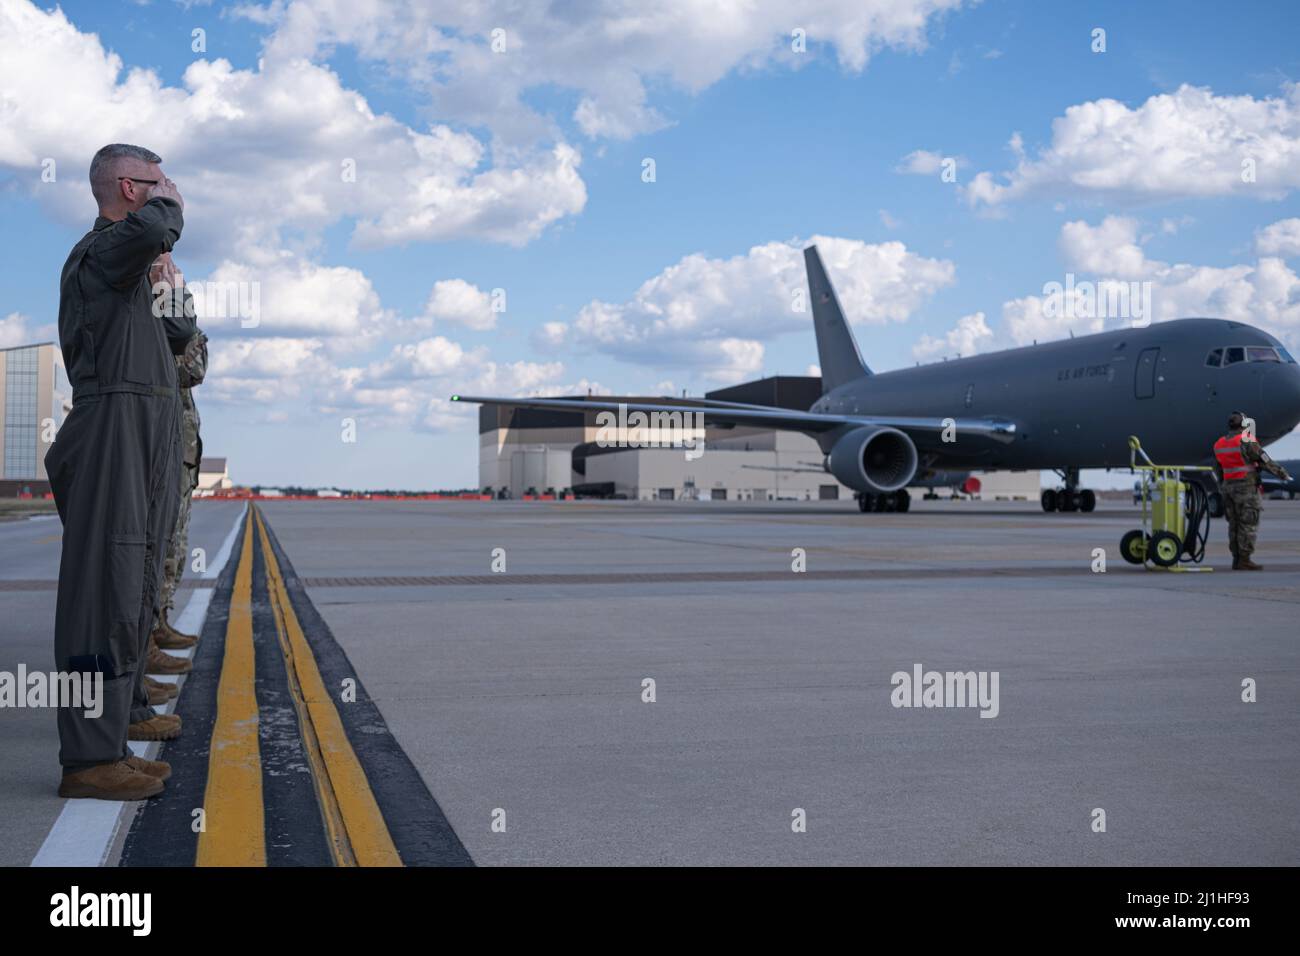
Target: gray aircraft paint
1065,404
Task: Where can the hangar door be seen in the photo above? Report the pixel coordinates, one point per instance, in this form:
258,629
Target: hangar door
1144,384
528,469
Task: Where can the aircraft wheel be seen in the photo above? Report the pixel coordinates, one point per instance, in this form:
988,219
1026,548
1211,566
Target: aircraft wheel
1214,503
1068,501
1048,500
1133,546
1165,549
1087,500
902,500
881,503
866,502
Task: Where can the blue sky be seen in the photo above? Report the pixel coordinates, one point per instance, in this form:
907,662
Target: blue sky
619,284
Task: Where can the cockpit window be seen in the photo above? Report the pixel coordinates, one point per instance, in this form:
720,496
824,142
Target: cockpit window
1214,358
1232,356
1286,356
1261,353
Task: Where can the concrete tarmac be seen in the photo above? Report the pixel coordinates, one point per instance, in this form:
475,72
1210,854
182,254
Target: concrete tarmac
521,697
29,740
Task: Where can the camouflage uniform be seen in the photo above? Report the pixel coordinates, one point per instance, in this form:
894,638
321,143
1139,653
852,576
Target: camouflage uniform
1241,506
1242,500
191,366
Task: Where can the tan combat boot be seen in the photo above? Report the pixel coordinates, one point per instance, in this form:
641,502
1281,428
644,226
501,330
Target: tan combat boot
155,693
1245,564
160,689
160,662
159,769
170,639
110,781
157,727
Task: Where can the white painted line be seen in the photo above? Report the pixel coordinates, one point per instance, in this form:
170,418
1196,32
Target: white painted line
218,563
86,830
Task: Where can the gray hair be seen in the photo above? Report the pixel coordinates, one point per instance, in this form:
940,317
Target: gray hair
103,168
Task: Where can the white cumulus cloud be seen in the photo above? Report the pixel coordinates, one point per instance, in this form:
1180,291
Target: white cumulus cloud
1188,143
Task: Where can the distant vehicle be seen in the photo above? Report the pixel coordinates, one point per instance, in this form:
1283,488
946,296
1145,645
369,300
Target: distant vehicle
1276,487
1063,405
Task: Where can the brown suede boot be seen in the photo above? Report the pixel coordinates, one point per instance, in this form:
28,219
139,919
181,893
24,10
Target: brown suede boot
157,727
163,690
1245,564
158,769
153,690
160,662
170,639
110,781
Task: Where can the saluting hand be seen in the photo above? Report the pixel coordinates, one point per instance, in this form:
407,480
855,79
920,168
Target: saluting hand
165,188
164,269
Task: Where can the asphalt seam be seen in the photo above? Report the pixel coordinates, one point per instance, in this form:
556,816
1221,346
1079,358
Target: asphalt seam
356,832
1082,570
415,821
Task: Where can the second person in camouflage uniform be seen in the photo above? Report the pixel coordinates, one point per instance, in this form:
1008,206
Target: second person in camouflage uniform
191,367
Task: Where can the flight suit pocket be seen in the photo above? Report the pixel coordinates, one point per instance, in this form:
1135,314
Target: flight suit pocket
126,558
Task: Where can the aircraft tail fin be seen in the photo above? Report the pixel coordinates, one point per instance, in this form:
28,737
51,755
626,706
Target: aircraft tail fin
836,349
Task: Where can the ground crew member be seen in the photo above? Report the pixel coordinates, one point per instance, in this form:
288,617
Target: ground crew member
113,469
191,366
1238,457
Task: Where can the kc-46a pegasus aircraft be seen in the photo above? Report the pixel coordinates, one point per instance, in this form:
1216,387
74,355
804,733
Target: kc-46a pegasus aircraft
1061,405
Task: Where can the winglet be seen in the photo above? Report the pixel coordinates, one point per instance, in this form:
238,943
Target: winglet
836,349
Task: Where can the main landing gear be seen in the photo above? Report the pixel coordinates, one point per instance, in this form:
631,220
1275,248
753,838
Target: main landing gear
899,500
1070,497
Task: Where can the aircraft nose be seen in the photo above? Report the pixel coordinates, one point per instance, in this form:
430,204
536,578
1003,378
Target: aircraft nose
1282,393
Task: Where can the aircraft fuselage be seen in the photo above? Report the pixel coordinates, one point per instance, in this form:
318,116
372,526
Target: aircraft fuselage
1076,401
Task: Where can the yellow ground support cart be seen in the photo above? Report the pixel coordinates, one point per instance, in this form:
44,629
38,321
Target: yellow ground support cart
1175,516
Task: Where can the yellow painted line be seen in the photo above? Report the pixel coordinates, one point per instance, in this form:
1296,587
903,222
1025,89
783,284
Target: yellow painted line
342,787
234,831
336,831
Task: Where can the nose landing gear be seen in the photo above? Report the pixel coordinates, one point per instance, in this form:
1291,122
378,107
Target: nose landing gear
1070,497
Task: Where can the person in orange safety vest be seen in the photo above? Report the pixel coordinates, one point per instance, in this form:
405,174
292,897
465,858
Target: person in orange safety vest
1238,457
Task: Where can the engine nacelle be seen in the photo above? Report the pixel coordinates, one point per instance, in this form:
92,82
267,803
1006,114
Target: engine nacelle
875,459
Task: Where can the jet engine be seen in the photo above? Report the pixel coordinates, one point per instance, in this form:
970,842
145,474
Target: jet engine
873,459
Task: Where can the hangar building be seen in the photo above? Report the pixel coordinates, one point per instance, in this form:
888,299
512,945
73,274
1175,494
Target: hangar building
525,450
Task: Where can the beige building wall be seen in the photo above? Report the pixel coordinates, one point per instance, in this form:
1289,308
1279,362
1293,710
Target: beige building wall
1010,485
663,473
742,463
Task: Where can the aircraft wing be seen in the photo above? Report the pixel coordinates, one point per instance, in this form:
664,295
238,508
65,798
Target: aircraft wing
922,430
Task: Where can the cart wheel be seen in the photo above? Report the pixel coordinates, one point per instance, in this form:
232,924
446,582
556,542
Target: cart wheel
1133,547
1165,549
1215,504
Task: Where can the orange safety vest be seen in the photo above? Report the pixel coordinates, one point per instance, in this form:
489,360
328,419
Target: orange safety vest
1234,464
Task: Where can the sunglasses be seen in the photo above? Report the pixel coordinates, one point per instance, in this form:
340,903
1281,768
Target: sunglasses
147,182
